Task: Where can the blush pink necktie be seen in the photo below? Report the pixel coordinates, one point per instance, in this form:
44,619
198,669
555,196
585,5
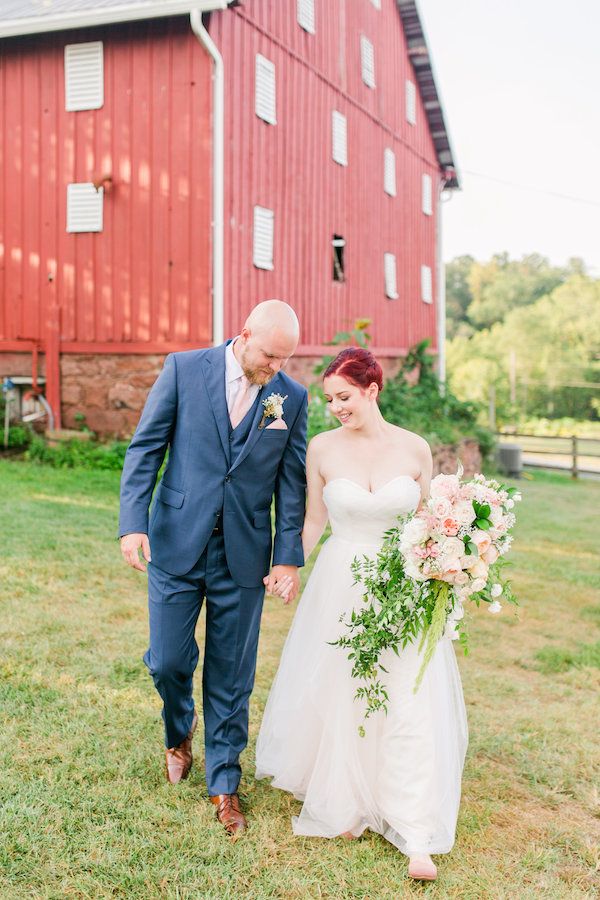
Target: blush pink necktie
241,404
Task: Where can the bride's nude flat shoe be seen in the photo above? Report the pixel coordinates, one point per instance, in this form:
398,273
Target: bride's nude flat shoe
422,868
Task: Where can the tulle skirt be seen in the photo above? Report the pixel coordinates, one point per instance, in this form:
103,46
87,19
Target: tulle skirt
403,778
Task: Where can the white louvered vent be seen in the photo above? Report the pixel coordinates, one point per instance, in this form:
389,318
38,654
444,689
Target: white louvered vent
262,253
389,270
389,172
339,138
265,101
427,195
426,286
84,207
411,102
305,12
84,76
367,61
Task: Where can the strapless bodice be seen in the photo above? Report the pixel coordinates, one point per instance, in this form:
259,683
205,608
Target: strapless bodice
362,516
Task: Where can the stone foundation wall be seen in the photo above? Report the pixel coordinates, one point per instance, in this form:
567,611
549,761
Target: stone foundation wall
446,457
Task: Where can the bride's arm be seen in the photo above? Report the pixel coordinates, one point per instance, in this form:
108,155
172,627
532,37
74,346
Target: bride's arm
426,462
315,518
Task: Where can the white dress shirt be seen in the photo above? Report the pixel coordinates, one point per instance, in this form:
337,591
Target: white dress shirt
233,377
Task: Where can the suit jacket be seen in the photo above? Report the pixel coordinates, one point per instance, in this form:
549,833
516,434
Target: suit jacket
186,413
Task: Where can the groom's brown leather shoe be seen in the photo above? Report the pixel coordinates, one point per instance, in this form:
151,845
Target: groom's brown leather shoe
230,814
179,759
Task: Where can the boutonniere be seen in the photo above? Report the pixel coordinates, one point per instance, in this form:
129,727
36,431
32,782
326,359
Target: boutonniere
273,405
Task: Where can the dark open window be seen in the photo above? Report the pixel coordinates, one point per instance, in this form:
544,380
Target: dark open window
338,243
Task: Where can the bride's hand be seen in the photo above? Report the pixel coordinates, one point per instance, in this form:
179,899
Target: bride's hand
283,588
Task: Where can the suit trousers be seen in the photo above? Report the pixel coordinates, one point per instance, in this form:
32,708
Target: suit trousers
232,628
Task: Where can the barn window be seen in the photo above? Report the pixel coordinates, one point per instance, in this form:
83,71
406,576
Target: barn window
411,102
427,195
84,76
84,207
376,4
262,253
389,172
367,61
339,138
265,101
338,243
305,12
426,286
389,270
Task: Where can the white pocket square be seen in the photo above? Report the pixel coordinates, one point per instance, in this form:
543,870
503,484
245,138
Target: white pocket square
278,423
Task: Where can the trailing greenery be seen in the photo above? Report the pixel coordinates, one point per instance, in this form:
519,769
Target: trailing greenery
413,399
76,454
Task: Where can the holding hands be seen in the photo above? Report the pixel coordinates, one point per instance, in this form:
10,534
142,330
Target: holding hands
284,582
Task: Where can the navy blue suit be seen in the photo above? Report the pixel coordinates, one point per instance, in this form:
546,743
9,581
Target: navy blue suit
214,474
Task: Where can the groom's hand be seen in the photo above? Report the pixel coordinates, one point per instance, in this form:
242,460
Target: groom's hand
131,544
283,581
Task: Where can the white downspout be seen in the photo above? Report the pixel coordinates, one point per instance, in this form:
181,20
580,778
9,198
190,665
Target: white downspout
441,292
218,185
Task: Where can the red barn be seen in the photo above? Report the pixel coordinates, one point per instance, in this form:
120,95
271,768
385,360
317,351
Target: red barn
165,165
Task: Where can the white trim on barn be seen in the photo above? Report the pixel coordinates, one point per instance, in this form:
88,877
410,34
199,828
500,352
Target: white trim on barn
265,98
426,285
262,238
389,271
427,194
84,207
84,76
411,102
339,138
367,61
305,13
389,171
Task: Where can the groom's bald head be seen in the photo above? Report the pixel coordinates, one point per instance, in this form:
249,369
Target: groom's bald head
269,337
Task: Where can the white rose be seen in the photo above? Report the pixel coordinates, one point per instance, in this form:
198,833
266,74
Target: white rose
415,529
478,568
495,607
463,512
452,546
496,515
478,585
509,503
441,507
496,590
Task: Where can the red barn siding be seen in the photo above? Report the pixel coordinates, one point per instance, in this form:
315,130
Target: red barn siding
146,277
288,168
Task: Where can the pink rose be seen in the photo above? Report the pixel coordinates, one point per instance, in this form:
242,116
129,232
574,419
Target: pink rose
491,555
450,526
482,540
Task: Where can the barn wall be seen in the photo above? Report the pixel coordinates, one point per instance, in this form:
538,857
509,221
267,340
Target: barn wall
288,167
145,277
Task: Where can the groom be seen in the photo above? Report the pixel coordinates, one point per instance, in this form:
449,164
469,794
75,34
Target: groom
235,428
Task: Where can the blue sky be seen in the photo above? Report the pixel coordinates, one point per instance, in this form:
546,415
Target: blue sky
520,84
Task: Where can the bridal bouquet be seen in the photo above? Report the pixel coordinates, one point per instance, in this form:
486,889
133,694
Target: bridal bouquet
448,552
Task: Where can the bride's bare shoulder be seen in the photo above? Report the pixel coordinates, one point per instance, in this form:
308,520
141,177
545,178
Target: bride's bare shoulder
320,443
410,439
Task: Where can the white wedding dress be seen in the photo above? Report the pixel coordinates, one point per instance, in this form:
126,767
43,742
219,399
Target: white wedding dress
403,778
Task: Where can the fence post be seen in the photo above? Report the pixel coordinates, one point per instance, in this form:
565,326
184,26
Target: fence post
574,471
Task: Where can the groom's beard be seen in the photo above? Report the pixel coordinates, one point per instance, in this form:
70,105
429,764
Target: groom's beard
259,376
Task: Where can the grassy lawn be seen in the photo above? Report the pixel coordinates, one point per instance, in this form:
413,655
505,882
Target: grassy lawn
84,808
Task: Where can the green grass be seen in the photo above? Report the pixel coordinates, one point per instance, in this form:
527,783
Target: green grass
85,811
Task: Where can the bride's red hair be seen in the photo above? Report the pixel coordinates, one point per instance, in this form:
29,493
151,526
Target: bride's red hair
358,366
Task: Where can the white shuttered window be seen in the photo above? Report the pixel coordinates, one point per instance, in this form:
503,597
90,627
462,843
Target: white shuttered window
84,207
367,61
262,251
426,285
427,195
84,76
264,94
389,271
376,4
389,172
339,138
305,13
411,102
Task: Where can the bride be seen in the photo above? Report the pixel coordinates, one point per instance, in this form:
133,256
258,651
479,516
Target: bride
403,778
